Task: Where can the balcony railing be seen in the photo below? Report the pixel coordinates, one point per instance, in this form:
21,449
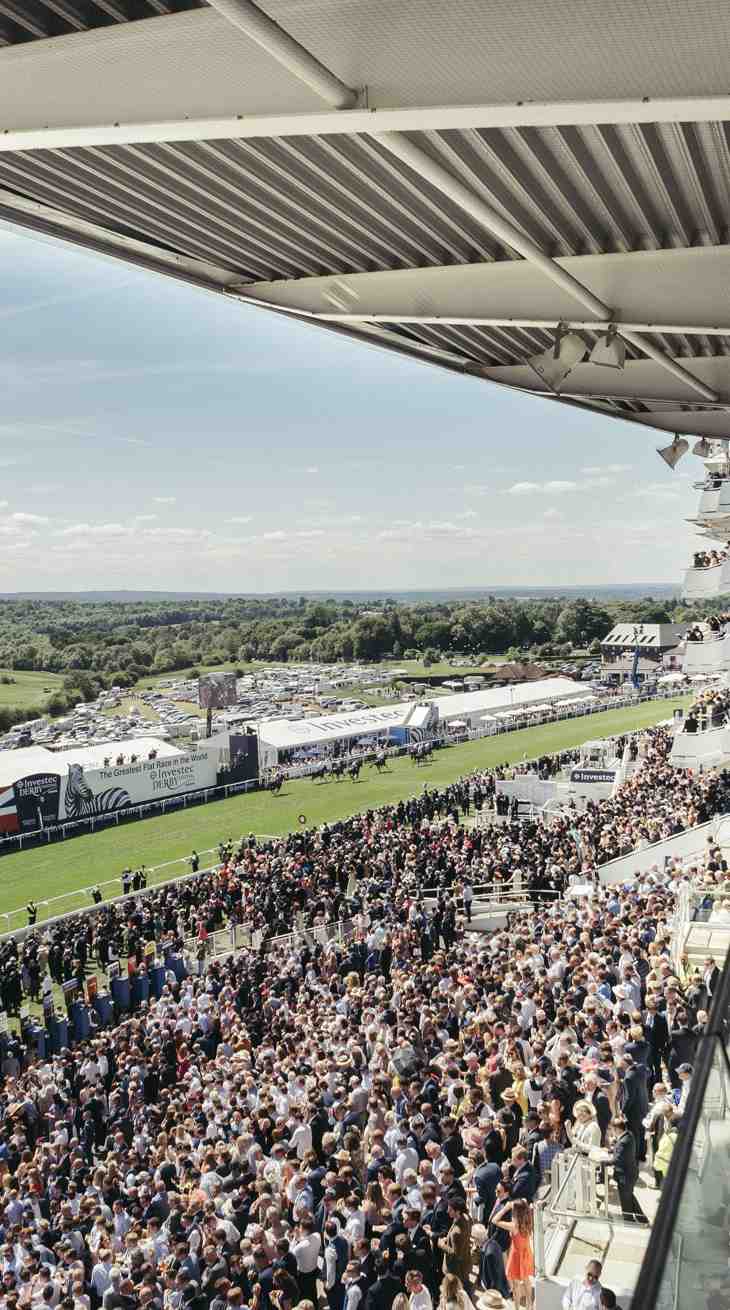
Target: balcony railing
686,1261
712,655
704,583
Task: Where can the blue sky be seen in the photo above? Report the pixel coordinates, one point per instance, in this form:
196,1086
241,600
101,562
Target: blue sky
155,436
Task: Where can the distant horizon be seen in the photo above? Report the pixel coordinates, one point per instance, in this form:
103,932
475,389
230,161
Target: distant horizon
627,590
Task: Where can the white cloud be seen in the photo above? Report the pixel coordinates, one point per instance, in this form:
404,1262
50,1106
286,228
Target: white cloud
596,470
407,530
312,470
164,500
657,491
33,519
557,486
146,518
466,514
95,530
273,536
476,489
4,504
553,513
310,532
240,518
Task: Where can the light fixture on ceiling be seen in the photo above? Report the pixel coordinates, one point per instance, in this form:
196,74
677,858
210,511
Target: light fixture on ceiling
609,350
554,364
703,448
672,454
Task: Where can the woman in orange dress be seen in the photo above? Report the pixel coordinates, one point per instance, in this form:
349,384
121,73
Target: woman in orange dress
520,1266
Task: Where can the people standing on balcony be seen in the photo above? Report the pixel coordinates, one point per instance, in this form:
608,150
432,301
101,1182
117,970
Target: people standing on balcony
625,1163
520,1264
708,559
584,1133
666,1147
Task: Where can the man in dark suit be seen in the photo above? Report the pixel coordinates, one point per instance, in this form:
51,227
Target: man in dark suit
681,1046
485,1179
625,1170
524,1179
657,1035
634,1101
384,1290
710,979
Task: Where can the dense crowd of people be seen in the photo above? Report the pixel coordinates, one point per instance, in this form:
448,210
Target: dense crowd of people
710,628
366,1122
709,559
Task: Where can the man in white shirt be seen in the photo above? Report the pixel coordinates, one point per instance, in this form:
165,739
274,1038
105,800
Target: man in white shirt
306,1249
101,1273
584,1293
407,1158
301,1135
353,1288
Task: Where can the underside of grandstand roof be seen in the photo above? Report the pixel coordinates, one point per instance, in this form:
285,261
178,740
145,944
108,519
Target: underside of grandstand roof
475,184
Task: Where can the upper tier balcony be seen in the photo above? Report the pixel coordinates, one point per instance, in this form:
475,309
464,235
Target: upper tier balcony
709,656
704,584
701,750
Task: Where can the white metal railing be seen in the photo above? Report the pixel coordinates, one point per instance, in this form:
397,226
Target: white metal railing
572,1195
691,841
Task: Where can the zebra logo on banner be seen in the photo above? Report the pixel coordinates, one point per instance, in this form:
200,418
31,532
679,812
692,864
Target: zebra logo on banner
80,801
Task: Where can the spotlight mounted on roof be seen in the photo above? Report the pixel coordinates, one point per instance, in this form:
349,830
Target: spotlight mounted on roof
703,448
609,350
672,454
554,364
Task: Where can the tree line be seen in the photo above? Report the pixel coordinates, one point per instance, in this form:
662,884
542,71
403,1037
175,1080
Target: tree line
108,643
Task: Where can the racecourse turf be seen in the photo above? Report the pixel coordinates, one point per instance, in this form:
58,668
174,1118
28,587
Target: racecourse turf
50,871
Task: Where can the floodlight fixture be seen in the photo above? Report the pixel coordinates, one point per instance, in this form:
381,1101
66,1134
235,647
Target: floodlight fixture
609,351
554,364
672,454
703,448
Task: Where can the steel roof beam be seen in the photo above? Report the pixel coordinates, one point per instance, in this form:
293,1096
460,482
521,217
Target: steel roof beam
433,172
348,122
257,25
544,324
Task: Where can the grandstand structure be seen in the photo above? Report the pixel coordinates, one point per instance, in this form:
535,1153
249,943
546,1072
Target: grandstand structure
478,186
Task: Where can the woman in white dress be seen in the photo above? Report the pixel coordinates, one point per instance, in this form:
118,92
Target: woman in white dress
583,1132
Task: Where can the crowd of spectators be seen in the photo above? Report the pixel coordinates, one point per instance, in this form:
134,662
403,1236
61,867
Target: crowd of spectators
365,1120
709,710
708,559
710,628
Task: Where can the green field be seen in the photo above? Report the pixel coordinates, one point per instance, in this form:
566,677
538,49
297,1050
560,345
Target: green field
27,688
51,871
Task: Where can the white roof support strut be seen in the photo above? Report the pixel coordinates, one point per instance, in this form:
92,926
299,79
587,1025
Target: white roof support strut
257,25
489,218
544,324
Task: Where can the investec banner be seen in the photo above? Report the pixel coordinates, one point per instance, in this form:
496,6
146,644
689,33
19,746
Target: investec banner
97,791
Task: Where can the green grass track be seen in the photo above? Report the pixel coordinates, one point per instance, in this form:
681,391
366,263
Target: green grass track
48,871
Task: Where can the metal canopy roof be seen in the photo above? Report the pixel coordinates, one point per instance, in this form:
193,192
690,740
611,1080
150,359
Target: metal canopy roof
449,181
